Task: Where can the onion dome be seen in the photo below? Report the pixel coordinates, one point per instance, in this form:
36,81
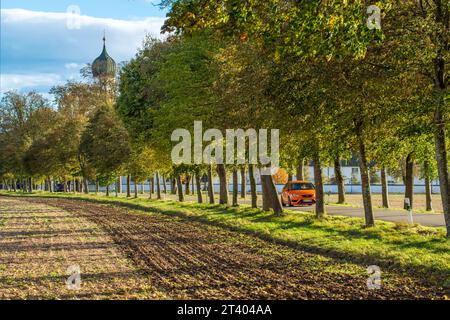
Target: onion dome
104,66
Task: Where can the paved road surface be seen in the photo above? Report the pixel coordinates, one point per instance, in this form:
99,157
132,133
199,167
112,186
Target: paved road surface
426,219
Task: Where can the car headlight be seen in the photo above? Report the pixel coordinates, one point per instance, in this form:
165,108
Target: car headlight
295,195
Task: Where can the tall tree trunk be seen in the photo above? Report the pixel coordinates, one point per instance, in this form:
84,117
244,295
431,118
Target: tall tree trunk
320,196
339,180
107,190
243,183
210,185
221,172
409,179
365,184
272,194
85,185
290,177
300,174
265,194
97,186
150,195
180,189
119,185
199,188
253,190
429,204
193,185
136,186
235,187
142,187
439,131
128,186
152,184
164,184
173,186
384,189
30,185
158,186
442,164
186,182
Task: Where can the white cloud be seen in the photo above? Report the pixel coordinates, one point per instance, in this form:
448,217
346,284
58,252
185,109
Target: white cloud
38,47
19,81
56,30
73,66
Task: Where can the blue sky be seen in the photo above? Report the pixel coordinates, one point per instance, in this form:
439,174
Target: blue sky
45,42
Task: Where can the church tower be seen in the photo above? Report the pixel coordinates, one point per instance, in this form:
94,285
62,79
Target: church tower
104,67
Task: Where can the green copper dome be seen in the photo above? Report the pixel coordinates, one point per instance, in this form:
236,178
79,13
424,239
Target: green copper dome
104,65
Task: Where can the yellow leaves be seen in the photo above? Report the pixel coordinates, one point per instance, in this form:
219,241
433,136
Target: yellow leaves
332,21
277,56
243,37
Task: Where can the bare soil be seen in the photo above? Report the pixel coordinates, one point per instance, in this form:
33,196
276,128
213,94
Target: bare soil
126,254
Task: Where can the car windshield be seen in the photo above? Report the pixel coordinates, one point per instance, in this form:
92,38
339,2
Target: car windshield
302,186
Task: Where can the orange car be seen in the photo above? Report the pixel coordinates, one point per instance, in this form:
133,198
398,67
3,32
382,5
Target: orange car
298,193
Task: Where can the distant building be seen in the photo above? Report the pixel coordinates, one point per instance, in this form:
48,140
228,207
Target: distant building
104,67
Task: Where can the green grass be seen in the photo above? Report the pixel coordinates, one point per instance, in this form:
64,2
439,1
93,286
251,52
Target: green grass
416,249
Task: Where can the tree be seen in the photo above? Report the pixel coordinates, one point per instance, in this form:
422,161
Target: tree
105,145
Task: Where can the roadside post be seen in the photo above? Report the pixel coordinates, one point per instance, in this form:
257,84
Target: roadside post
409,211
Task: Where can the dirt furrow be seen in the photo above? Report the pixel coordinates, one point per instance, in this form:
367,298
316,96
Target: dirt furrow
187,259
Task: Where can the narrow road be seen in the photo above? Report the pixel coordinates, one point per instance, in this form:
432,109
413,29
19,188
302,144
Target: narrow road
425,219
130,254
